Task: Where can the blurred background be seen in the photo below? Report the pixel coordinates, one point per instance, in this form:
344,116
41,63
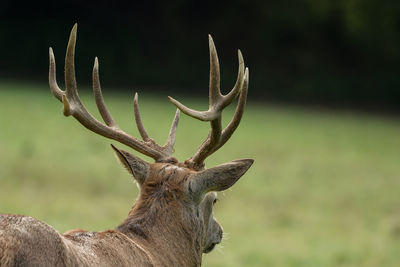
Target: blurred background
322,119
336,53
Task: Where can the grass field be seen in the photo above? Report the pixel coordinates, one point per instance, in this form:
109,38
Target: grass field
324,189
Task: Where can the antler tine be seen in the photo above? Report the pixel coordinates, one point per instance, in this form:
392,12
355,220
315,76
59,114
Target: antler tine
138,119
200,115
215,77
57,92
228,98
169,144
234,123
214,90
217,101
70,80
98,96
72,105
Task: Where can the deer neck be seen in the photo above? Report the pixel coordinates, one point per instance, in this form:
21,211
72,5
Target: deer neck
169,233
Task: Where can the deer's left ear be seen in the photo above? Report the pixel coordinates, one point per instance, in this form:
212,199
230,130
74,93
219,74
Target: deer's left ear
219,178
136,166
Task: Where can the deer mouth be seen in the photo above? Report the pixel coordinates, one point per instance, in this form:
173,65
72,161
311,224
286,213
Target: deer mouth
210,248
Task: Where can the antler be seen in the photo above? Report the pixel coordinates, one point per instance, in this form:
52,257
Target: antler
217,102
72,105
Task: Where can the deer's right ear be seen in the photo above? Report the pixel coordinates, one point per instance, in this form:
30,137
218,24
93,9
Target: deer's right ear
136,166
219,178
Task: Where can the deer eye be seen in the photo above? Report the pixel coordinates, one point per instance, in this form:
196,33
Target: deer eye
215,201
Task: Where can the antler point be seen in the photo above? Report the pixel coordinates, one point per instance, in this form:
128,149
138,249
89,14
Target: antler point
211,42
66,106
240,55
173,101
96,63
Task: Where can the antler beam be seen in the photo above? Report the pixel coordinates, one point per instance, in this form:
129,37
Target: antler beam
72,105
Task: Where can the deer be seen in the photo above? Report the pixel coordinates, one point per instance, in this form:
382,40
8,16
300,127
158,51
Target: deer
171,222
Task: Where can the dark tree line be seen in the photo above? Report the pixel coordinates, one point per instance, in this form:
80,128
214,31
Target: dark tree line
343,52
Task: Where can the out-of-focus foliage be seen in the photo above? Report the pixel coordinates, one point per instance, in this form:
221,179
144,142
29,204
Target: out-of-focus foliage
334,52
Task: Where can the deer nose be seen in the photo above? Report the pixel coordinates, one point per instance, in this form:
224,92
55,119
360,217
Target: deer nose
220,234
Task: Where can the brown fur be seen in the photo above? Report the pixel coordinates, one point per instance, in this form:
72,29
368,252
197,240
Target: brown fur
171,224
159,231
161,217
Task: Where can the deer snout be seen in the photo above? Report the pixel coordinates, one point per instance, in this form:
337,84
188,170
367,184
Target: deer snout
214,236
221,234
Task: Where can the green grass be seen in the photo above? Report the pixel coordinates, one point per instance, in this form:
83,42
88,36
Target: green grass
324,189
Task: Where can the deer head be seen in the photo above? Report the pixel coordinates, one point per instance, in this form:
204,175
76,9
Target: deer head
176,198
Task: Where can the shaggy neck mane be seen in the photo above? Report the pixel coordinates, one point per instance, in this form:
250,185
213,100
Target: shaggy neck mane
162,225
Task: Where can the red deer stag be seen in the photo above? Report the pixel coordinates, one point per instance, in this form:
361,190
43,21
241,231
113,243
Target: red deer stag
171,223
